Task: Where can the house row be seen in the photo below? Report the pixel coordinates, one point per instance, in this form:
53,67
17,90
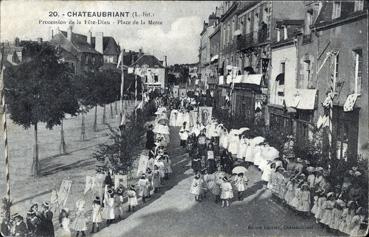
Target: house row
294,67
88,53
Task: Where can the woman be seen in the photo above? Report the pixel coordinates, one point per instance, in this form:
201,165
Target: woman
108,210
143,187
64,223
211,164
226,192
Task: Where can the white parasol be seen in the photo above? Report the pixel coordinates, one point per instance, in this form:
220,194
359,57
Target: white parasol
258,140
239,170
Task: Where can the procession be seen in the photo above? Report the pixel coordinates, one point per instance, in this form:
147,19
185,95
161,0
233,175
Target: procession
199,118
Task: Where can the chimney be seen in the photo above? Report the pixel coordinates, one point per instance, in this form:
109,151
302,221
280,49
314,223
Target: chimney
140,52
165,61
89,36
39,40
69,33
99,42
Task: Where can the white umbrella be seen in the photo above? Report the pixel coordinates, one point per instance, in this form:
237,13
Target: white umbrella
239,170
258,140
242,130
161,129
270,153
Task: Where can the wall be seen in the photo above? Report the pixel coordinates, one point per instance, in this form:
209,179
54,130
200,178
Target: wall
346,38
288,55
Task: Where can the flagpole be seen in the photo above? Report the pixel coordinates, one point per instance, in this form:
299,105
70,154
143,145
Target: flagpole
135,96
122,85
5,133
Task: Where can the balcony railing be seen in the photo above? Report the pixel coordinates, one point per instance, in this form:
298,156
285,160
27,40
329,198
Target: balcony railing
262,35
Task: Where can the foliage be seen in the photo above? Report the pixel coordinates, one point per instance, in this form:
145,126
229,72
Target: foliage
5,208
40,90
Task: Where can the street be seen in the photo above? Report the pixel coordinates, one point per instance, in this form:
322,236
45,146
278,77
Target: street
176,213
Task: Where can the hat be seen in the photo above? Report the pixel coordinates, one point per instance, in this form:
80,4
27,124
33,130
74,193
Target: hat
304,185
337,186
298,159
46,204
340,203
17,216
359,210
350,203
319,169
310,169
97,199
351,172
302,175
225,178
354,168
357,173
131,186
34,205
197,176
290,137
329,194
31,212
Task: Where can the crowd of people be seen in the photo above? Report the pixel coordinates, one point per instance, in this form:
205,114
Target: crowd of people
215,151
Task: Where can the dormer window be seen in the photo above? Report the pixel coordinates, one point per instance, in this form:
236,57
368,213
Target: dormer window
278,34
336,9
285,35
309,21
359,5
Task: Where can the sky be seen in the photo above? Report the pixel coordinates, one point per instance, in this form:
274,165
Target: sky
178,37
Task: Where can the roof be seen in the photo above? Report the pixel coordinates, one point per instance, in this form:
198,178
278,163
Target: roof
289,22
150,60
110,46
78,44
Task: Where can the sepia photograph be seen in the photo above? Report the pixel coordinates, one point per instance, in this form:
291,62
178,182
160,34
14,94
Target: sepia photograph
184,118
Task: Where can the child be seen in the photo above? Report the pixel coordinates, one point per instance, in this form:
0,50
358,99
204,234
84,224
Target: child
226,192
314,209
156,179
64,223
149,175
297,197
328,209
33,223
336,214
356,222
143,187
132,198
96,214
19,227
211,164
304,205
118,209
346,217
108,211
196,186
80,222
183,135
290,193
240,183
321,206
311,177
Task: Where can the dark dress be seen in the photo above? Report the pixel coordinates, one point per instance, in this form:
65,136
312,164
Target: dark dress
21,229
196,165
150,139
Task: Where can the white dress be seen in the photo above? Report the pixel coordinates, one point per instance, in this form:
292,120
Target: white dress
196,186
250,151
132,198
186,118
226,190
224,140
108,211
267,173
234,142
259,160
96,213
242,149
240,184
173,118
180,119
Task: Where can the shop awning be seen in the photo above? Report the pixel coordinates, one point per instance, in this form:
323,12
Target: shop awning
216,57
300,98
254,79
237,33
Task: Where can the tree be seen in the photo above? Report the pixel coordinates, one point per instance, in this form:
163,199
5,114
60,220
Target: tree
39,90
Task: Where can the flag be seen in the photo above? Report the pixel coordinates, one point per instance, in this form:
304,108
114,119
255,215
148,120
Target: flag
90,183
120,58
64,191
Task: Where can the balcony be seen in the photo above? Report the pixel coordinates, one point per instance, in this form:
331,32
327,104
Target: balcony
245,41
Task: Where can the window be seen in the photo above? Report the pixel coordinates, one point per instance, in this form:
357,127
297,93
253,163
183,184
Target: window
309,20
256,21
283,67
359,5
336,9
358,62
307,71
156,78
285,35
278,34
248,25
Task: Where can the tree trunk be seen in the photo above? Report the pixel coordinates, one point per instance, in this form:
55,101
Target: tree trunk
104,115
62,147
111,110
83,127
116,107
95,119
35,162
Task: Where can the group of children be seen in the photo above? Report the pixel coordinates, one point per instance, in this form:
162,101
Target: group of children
38,223
309,193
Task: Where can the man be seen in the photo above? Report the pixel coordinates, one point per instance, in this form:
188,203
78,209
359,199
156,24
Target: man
150,138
